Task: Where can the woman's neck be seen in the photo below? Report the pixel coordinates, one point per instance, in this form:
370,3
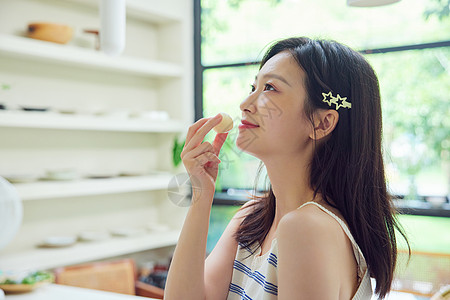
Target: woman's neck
290,180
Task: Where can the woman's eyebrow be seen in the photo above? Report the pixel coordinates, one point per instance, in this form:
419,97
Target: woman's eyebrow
276,76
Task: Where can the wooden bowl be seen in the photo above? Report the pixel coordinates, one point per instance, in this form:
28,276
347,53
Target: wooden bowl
22,288
56,33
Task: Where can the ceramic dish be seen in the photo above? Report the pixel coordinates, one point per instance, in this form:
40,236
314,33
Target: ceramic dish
157,115
127,231
21,178
102,175
63,174
119,114
93,236
58,241
130,174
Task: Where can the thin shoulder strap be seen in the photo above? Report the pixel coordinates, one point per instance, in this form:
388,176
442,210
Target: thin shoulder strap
357,251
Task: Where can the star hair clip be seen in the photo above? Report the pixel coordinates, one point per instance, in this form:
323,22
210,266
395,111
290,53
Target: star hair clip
338,100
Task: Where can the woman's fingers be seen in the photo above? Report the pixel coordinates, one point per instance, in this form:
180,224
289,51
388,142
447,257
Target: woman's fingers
219,140
194,127
204,147
207,158
200,133
201,158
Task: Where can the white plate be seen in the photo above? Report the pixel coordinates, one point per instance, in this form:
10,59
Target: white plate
102,175
157,115
117,114
93,236
127,231
62,174
58,241
21,178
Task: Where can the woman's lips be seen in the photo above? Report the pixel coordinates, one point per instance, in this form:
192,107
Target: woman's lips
247,125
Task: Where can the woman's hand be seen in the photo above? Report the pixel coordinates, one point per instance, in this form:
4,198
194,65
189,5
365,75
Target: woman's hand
201,158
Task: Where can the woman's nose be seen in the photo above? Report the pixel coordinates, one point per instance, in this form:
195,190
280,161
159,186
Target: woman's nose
249,104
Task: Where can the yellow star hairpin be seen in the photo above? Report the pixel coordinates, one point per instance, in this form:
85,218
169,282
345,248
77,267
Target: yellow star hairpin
338,100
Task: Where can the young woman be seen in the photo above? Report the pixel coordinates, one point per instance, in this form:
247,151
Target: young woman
327,223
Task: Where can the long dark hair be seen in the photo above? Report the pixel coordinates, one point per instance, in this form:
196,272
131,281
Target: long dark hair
347,169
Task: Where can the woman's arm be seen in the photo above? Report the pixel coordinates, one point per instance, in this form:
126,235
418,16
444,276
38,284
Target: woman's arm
186,274
219,264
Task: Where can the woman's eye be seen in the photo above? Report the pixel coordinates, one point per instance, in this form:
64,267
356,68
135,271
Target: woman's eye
252,86
269,87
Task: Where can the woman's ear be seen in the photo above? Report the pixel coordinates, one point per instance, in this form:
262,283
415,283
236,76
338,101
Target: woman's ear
324,123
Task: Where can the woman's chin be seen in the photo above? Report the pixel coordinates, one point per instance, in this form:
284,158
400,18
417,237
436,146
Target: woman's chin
247,146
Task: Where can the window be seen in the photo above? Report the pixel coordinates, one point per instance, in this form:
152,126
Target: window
409,51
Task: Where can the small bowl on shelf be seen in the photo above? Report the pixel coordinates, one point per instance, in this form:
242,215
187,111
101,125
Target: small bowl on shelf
50,32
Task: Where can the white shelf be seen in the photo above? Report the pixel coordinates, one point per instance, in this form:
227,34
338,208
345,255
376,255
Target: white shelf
141,9
20,47
86,187
148,11
50,120
47,258
160,77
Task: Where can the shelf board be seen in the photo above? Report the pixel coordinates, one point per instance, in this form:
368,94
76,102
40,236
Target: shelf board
22,47
87,187
48,258
51,120
148,11
143,10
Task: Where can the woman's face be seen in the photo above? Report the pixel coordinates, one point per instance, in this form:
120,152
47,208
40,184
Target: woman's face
273,118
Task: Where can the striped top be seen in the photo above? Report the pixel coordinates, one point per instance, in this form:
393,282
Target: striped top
255,276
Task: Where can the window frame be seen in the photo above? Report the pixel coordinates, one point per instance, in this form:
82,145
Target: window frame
221,198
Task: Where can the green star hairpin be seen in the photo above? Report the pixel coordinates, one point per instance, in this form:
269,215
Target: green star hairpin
338,100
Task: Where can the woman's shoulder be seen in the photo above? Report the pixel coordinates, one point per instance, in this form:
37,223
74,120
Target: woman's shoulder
310,222
309,249
310,214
